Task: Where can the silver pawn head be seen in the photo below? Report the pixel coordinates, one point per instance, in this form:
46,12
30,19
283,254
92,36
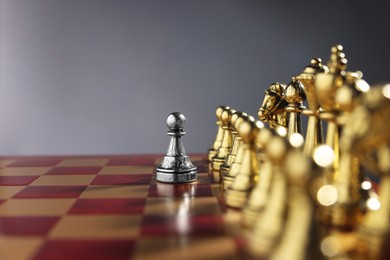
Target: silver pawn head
176,121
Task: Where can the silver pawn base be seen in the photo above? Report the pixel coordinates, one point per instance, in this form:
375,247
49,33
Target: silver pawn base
176,167
176,176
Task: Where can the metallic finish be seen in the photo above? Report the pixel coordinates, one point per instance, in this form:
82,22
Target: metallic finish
367,137
229,175
236,119
293,203
260,193
176,166
338,93
238,192
268,225
273,108
314,133
226,145
294,95
218,139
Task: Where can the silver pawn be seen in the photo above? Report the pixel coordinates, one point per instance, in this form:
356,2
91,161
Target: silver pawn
176,166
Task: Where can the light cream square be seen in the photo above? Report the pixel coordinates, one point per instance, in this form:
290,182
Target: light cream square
75,162
7,192
24,171
126,170
97,227
36,207
115,191
19,248
50,180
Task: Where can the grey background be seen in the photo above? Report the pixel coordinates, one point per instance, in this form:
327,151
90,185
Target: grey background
100,77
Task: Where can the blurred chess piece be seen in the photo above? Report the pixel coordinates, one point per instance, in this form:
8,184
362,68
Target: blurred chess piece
260,193
218,139
294,95
226,145
273,107
229,173
238,192
176,166
286,228
300,237
337,93
284,190
326,85
267,228
368,136
236,144
314,135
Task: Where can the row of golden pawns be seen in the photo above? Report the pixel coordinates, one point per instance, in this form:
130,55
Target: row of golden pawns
290,210
283,196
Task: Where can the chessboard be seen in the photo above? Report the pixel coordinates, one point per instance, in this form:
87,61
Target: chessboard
109,207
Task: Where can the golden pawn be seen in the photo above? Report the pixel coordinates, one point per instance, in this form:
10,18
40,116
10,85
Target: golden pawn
218,139
229,175
294,95
236,143
268,226
226,144
260,193
300,235
238,192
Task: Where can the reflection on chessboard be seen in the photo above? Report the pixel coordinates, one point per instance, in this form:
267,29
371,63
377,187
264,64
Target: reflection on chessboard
109,208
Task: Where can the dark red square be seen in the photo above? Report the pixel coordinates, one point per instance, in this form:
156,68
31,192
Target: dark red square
16,180
35,162
2,201
180,190
203,178
201,167
203,157
186,224
208,225
26,225
86,249
50,192
73,170
122,179
108,206
241,245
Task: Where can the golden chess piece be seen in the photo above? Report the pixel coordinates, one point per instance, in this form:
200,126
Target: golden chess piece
314,135
236,144
260,193
287,228
367,135
327,82
300,236
229,174
294,95
273,107
226,145
218,139
337,93
326,86
267,228
237,193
